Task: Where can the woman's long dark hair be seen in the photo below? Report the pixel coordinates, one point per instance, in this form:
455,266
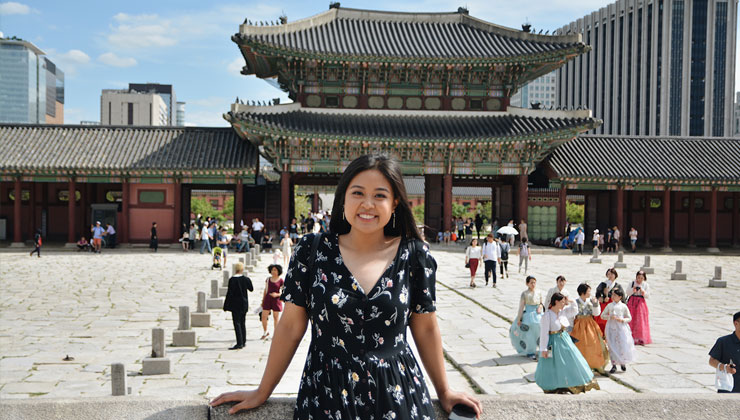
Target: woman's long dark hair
405,223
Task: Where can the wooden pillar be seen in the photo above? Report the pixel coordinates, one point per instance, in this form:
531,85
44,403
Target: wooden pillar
177,229
493,205
667,219
692,220
284,197
562,199
315,201
32,209
446,202
646,220
122,227
17,223
620,212
522,198
713,221
238,204
71,205
735,219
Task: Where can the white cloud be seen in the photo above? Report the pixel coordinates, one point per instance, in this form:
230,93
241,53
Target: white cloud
111,59
75,56
13,8
235,67
142,31
70,61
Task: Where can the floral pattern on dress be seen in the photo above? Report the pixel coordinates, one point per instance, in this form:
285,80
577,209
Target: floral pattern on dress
359,364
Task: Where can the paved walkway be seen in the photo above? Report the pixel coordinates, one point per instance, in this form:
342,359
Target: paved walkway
100,309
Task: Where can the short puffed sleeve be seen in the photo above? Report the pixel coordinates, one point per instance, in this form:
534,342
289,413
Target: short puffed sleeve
297,278
423,278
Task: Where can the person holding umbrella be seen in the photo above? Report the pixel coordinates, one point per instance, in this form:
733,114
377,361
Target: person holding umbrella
506,247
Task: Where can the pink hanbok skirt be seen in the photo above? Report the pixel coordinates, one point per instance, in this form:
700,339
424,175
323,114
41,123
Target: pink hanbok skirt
640,323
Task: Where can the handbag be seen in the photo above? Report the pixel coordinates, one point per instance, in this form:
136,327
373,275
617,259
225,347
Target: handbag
723,380
467,264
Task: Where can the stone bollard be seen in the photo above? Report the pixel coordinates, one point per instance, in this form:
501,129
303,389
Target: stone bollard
248,261
183,336
595,258
118,379
258,247
253,254
157,364
201,317
620,261
717,280
646,267
241,260
214,302
226,277
678,274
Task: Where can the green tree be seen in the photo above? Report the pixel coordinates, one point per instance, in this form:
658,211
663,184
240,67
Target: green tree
574,212
228,210
485,210
418,214
459,210
302,203
199,205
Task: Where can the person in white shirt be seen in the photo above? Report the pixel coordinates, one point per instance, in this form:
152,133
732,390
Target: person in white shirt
473,255
205,239
110,234
257,227
491,255
524,255
633,238
561,367
618,333
580,238
595,238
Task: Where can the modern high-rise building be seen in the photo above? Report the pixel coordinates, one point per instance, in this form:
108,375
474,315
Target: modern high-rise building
127,107
180,114
165,91
31,85
540,91
656,67
736,117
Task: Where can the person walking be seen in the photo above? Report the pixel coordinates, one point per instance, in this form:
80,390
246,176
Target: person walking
633,238
222,241
473,255
523,235
153,238
257,228
36,244
237,302
205,239
293,230
460,228
603,294
637,294
580,239
560,282
561,367
110,236
504,262
271,298
590,341
97,234
478,224
287,245
725,354
491,255
616,236
595,239
525,330
618,333
375,279
193,234
525,255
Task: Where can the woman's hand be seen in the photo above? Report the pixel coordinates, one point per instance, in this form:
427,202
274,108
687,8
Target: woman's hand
451,398
545,354
518,323
275,294
245,400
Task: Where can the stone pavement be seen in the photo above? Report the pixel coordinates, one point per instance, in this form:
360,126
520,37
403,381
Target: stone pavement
100,309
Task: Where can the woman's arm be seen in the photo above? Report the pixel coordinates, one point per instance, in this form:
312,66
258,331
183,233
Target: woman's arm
287,336
607,312
520,311
428,339
545,334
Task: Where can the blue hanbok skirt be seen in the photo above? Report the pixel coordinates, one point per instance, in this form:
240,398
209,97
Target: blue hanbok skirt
565,370
526,337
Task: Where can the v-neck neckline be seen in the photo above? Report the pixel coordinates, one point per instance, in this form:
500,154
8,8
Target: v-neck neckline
382,275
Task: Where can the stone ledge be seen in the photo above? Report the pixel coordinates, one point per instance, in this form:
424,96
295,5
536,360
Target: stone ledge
535,407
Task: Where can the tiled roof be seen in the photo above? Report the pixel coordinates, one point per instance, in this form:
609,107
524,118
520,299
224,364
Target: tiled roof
415,188
656,159
368,33
45,148
423,125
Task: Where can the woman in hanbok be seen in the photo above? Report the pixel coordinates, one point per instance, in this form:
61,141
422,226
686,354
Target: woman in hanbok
618,334
590,340
561,367
603,294
525,330
636,296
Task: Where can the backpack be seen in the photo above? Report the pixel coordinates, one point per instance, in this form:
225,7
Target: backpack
504,251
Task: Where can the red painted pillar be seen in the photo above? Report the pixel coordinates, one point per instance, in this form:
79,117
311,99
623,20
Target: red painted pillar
71,205
17,225
713,221
177,229
447,202
646,220
315,201
620,212
284,197
123,223
562,199
238,204
522,198
692,220
667,218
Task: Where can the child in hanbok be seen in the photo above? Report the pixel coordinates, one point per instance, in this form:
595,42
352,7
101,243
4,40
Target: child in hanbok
561,367
587,332
636,295
525,329
618,334
603,294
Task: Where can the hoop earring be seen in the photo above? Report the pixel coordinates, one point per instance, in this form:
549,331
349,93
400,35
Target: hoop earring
394,220
343,218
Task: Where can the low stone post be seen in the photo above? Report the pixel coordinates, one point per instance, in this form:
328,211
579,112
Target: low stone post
595,258
157,364
226,276
678,274
118,379
646,267
620,261
183,336
215,302
253,254
241,260
201,317
717,280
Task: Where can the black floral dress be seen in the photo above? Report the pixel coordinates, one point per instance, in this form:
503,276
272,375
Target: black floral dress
359,365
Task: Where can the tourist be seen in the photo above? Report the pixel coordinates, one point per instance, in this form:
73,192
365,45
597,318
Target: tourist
633,238
636,295
590,341
478,225
222,241
36,243
469,228
560,282
153,238
237,302
608,244
205,239
721,354
440,237
110,236
271,298
525,256
447,237
460,228
595,239
561,367
603,294
505,247
510,237
525,330
618,334
185,240
616,236
523,235
472,257
277,256
293,231
192,235
83,244
97,234
580,239
213,232
494,229
266,240
491,255
287,245
558,241
244,240
373,236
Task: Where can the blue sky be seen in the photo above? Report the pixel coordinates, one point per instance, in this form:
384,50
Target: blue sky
105,45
